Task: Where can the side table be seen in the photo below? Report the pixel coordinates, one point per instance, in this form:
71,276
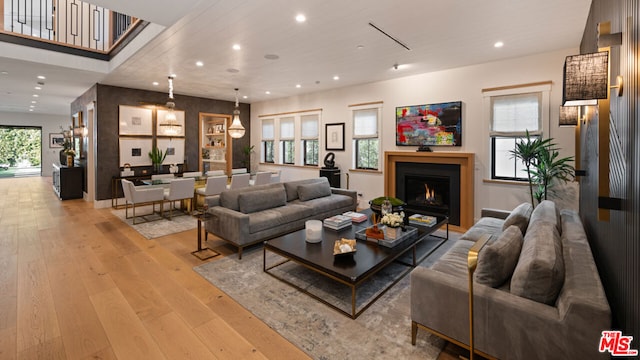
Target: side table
206,253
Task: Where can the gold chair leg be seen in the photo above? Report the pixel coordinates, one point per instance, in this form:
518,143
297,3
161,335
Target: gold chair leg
472,263
414,332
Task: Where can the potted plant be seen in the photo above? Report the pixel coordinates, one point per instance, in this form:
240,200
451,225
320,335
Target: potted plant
543,166
157,157
247,151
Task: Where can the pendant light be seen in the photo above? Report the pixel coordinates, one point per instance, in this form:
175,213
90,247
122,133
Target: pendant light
170,125
236,130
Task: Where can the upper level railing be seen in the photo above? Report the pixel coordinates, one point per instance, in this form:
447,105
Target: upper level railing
67,22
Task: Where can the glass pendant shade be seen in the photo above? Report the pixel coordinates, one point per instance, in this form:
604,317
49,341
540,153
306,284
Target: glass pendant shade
236,130
170,125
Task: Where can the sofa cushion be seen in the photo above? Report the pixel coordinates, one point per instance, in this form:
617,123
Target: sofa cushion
313,190
539,274
519,217
253,201
229,198
292,186
283,217
454,261
327,204
486,225
546,212
499,257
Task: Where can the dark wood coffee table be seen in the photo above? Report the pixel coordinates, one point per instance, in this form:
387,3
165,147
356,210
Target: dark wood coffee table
350,270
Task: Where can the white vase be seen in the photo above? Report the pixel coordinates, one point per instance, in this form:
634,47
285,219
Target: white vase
392,233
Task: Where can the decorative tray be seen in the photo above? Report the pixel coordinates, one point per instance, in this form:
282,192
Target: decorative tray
344,247
408,232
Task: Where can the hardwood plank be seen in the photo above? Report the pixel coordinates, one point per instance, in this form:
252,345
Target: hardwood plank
176,339
128,337
8,291
224,343
37,320
8,338
52,349
104,354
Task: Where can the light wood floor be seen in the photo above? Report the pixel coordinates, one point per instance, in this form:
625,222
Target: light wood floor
77,283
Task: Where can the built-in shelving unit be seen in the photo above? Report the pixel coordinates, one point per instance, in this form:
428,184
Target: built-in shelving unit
215,142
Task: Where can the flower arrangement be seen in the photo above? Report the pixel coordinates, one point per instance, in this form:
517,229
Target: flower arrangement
70,152
393,220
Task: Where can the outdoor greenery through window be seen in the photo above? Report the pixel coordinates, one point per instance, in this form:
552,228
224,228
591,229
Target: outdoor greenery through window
20,151
267,141
287,136
365,138
267,150
288,152
511,117
310,152
309,135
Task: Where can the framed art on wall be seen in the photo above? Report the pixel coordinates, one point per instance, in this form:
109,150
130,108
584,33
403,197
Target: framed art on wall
56,140
174,149
334,136
135,151
135,120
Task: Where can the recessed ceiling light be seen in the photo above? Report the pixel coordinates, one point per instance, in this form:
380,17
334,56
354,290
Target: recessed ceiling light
236,47
245,97
298,86
41,77
155,83
34,102
336,77
199,63
30,109
173,75
267,92
272,57
233,71
498,44
360,47
32,106
4,73
301,18
35,95
38,88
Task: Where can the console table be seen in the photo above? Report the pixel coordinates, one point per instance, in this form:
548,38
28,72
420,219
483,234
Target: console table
67,181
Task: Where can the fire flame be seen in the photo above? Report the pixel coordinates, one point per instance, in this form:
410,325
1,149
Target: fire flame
429,194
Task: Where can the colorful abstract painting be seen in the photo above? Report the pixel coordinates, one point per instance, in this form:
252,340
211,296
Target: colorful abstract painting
428,125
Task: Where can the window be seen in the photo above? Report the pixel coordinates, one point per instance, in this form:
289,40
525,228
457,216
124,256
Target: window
267,141
365,138
511,116
309,128
287,134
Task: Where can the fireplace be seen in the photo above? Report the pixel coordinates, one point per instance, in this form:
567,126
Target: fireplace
430,189
456,167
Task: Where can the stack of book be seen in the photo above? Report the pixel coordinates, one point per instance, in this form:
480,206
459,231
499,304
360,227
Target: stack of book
356,217
337,222
424,220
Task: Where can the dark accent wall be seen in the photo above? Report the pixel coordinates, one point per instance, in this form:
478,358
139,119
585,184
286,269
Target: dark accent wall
108,98
615,243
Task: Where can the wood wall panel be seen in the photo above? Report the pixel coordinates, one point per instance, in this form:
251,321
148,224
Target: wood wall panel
615,242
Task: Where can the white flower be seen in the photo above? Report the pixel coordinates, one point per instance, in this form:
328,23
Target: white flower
393,219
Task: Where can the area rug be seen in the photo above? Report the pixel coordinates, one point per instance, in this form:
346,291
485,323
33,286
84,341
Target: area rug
383,331
158,226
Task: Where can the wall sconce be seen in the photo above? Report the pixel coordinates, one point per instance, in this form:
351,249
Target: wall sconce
586,79
568,116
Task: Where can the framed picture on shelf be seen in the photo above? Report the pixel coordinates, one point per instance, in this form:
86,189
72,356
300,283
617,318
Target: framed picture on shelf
56,140
334,136
135,120
174,149
135,151
161,116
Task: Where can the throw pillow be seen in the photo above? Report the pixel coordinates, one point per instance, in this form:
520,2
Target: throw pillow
499,257
546,212
539,275
314,191
519,217
254,201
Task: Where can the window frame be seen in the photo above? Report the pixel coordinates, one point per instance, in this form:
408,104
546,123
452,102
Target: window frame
357,139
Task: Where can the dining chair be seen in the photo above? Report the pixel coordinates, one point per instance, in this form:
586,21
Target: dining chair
275,177
140,195
215,173
239,181
162,176
194,174
262,178
215,185
238,171
179,189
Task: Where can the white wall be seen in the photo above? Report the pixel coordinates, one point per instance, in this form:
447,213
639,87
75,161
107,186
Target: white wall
461,84
49,124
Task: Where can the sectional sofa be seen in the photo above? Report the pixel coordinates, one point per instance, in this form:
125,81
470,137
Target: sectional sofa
536,296
250,215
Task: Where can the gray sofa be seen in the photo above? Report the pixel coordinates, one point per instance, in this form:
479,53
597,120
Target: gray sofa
253,214
536,296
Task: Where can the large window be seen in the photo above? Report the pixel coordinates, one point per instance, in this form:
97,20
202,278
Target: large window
309,137
267,141
365,138
511,116
287,136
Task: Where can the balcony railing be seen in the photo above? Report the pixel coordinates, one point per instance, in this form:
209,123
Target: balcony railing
71,23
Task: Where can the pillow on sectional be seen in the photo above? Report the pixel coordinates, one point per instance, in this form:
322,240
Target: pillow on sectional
254,201
539,274
314,191
519,217
498,258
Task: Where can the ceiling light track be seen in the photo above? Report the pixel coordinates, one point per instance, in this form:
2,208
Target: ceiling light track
389,36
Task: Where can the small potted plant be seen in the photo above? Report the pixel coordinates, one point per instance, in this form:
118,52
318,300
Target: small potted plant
157,157
394,223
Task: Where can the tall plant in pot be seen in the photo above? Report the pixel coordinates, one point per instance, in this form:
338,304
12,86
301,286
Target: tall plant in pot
543,165
157,157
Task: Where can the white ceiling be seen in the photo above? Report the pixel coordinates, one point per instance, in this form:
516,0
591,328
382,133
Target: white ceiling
440,34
